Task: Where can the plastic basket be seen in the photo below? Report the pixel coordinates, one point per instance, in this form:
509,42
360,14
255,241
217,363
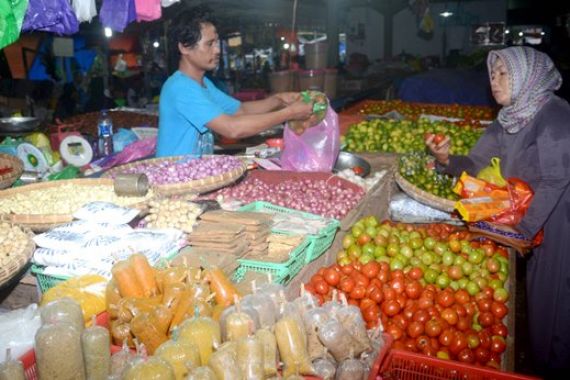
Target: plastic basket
404,365
318,244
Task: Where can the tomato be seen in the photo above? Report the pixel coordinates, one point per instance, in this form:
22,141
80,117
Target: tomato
413,289
486,319
463,323
421,316
433,328
401,321
446,337
485,338
462,297
395,331
473,340
484,305
498,344
310,288
398,345
376,295
458,343
422,342
332,277
321,271
384,276
482,355
316,278
360,279
371,269
424,302
445,298
358,292
460,310
470,308
347,269
353,302
408,313
371,313
321,287
391,308
346,285
500,329
415,329
358,170
365,303
398,285
389,293
402,300
466,356
397,274
499,309
415,273
450,316
410,345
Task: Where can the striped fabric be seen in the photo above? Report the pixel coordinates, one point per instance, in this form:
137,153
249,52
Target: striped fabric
533,80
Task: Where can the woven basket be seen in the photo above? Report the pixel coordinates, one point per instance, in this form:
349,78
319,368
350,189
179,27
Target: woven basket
12,264
199,186
422,196
41,223
6,160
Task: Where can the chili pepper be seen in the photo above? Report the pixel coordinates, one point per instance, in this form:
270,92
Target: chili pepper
6,170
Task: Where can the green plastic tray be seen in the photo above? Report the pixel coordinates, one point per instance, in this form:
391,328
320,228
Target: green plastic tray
318,244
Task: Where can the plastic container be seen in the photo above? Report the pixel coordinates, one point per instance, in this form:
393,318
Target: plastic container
311,80
105,134
406,365
331,77
316,55
131,185
281,81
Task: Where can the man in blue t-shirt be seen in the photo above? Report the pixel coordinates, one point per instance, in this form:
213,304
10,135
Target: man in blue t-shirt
191,106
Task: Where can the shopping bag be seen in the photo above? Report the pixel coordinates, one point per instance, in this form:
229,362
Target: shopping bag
148,10
84,10
316,149
492,173
54,16
117,14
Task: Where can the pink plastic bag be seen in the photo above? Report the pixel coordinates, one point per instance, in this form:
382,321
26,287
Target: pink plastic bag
316,150
148,10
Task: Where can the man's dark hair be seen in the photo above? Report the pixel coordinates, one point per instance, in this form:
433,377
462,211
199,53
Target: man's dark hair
186,26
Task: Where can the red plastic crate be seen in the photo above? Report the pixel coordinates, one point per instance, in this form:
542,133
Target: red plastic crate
404,365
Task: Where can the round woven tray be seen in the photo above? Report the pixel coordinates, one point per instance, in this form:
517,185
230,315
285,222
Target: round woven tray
11,265
6,160
199,186
43,222
423,196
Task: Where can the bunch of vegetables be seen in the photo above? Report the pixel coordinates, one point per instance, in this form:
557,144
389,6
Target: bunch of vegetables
405,136
185,170
433,290
419,169
314,196
147,304
414,110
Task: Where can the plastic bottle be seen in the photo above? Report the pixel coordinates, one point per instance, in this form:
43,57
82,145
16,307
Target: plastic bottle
105,133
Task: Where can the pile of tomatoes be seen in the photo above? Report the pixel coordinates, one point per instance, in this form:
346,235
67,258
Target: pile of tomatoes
421,318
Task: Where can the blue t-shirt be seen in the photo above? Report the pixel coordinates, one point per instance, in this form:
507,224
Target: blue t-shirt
185,109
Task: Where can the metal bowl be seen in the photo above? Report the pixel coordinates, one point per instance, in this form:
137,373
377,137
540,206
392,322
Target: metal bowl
347,160
18,125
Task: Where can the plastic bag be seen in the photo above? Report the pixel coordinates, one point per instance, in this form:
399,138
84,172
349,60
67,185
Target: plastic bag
325,368
96,352
11,369
58,352
50,16
492,173
316,149
269,342
224,362
204,332
202,373
84,10
17,330
167,3
181,355
117,14
64,310
264,307
338,340
148,10
293,350
11,17
154,368
250,358
350,369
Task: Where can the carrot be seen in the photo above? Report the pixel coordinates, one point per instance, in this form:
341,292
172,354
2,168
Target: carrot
145,274
182,308
221,286
146,332
126,280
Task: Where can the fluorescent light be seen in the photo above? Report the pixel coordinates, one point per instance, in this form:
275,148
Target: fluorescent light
156,44
446,14
286,46
108,32
507,31
521,34
542,33
282,38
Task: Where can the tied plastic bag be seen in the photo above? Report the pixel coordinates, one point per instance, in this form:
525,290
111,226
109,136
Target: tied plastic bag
11,18
148,10
50,16
316,149
84,10
117,14
492,173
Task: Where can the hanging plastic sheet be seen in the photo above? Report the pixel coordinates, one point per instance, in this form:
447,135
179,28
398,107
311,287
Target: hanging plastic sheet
11,18
84,10
54,16
148,10
117,14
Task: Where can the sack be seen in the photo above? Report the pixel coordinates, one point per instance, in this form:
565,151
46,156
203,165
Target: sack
50,16
148,10
84,10
316,149
117,14
492,173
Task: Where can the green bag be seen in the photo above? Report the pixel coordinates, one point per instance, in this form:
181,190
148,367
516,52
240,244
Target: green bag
11,18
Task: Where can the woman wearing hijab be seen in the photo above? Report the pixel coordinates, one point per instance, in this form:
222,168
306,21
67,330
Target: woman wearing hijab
531,136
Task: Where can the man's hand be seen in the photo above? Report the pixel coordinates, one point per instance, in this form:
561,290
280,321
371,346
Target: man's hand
439,150
288,98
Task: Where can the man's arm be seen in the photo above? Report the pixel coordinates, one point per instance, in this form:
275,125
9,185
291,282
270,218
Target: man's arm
269,104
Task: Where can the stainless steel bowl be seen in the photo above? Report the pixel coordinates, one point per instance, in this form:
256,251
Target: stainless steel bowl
347,160
18,125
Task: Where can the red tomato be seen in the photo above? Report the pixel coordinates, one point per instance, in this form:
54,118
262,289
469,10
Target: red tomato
446,337
408,313
371,314
433,328
397,274
460,310
500,329
484,305
322,287
422,342
458,343
485,339
414,289
402,300
384,266
384,276
316,278
415,329
376,295
347,285
332,277
410,345
371,269
445,298
415,273
398,285
358,292
395,331
321,271
347,269
499,309
361,279
421,316
450,316
482,355
462,297
463,323
353,302
486,319
498,344
466,356
401,321
391,308
365,303
424,303
310,288
389,293
470,308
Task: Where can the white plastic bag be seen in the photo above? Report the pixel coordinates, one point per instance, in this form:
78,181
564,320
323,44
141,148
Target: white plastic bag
84,10
167,3
17,330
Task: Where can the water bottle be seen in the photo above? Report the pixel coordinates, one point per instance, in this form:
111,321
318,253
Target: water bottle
105,132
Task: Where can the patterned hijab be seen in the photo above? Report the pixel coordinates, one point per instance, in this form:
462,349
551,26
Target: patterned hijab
533,80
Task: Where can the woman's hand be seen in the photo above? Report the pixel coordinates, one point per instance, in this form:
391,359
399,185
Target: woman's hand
288,98
439,148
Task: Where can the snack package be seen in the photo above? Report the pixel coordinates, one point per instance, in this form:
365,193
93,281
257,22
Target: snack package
154,368
224,362
251,358
270,354
204,332
292,347
95,342
58,351
202,373
64,310
11,369
180,355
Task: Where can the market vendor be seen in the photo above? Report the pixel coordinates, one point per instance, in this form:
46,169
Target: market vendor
191,106
531,136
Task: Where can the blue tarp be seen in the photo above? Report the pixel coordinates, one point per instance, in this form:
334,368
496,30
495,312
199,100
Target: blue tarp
448,86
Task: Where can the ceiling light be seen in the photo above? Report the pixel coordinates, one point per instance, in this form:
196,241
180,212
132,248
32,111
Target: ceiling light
507,31
542,33
156,44
108,32
521,34
286,46
446,14
282,38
